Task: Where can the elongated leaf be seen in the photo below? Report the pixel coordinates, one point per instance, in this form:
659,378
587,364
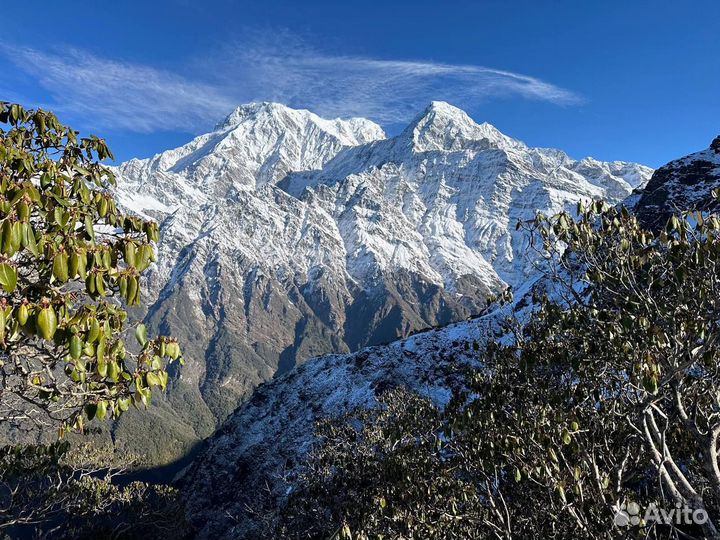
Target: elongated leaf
8,277
141,334
89,228
101,410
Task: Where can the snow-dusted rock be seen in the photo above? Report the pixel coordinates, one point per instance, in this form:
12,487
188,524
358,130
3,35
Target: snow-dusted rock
444,196
241,471
684,184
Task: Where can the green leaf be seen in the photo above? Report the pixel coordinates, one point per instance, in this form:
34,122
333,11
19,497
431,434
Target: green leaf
89,228
47,322
81,170
114,371
163,378
152,379
101,410
8,277
31,242
141,334
566,438
61,218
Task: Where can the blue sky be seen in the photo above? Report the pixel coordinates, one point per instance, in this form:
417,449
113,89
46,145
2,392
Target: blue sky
635,81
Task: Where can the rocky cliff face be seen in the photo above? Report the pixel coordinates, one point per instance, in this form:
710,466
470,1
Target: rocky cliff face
683,184
286,236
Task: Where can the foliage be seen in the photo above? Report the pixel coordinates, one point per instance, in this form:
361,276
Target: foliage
54,491
383,472
608,395
70,262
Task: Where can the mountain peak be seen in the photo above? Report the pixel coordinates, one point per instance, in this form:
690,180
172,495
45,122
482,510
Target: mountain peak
268,116
445,108
442,126
249,110
687,183
260,143
441,113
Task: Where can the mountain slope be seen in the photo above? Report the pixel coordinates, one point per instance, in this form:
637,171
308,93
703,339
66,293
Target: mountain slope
267,437
286,236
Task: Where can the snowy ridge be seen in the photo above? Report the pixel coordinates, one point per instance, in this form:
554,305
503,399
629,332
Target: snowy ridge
452,190
441,199
268,436
257,143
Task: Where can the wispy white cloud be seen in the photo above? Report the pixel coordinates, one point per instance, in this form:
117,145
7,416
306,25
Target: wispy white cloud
121,95
112,94
284,68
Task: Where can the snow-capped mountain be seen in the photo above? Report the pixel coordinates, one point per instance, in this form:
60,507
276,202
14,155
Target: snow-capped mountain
286,236
451,192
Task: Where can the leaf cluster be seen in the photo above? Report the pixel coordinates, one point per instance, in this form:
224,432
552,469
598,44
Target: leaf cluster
70,266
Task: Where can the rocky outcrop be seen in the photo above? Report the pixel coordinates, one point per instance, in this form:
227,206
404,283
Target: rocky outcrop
684,184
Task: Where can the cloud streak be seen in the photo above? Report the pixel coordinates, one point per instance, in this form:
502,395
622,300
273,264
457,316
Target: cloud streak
112,94
387,91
